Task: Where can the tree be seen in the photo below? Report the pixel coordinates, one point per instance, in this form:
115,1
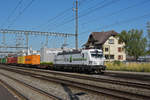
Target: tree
135,43
148,36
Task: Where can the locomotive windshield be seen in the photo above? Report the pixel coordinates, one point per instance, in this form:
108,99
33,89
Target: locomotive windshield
96,54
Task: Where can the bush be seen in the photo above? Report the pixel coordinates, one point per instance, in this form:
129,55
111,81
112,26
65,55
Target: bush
116,62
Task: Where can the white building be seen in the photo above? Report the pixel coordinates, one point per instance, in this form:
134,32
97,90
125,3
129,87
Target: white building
109,43
113,49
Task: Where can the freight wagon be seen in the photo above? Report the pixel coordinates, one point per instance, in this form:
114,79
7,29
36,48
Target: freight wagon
9,60
21,60
12,60
32,60
4,60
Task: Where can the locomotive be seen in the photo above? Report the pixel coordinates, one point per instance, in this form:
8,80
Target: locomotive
90,60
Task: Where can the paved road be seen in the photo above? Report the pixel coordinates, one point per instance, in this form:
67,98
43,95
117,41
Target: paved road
5,94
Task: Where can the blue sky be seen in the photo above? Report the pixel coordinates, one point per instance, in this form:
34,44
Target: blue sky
94,15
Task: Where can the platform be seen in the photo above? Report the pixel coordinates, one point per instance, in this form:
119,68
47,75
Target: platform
5,94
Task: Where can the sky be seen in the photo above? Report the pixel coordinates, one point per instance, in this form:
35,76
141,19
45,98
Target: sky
59,16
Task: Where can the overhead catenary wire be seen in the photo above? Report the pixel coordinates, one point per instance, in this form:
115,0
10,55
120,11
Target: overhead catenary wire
68,20
93,9
55,17
98,4
13,11
15,19
119,23
82,2
117,12
61,14
102,16
88,12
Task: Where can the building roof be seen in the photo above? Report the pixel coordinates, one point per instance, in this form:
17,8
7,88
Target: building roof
99,38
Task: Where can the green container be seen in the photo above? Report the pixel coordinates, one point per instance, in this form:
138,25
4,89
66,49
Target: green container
4,60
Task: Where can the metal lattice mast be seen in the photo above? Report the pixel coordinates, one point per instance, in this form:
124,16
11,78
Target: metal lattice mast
46,44
27,33
3,39
4,42
19,41
36,33
27,42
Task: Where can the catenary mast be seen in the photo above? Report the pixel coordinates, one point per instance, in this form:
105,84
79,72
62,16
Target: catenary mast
76,25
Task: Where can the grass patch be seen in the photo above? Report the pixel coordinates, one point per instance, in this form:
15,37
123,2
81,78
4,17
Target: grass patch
46,63
134,67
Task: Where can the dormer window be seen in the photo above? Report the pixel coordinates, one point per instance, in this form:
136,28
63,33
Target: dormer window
111,41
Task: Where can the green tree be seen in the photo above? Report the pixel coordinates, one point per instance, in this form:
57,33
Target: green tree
135,43
148,36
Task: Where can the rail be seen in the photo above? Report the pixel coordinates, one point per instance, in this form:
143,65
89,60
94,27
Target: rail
50,96
86,86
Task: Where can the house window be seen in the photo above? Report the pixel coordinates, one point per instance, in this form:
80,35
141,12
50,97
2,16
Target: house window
111,41
106,49
120,57
111,56
119,49
107,56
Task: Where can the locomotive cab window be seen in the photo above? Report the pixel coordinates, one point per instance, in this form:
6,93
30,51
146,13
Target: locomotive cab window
96,54
82,55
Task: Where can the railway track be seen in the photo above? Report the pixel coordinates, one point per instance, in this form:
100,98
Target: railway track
128,75
112,81
99,89
36,90
14,91
87,77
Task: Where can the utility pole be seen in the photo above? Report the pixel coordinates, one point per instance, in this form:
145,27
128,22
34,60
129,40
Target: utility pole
76,26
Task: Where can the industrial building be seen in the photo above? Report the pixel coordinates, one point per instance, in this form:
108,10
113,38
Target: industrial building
48,54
